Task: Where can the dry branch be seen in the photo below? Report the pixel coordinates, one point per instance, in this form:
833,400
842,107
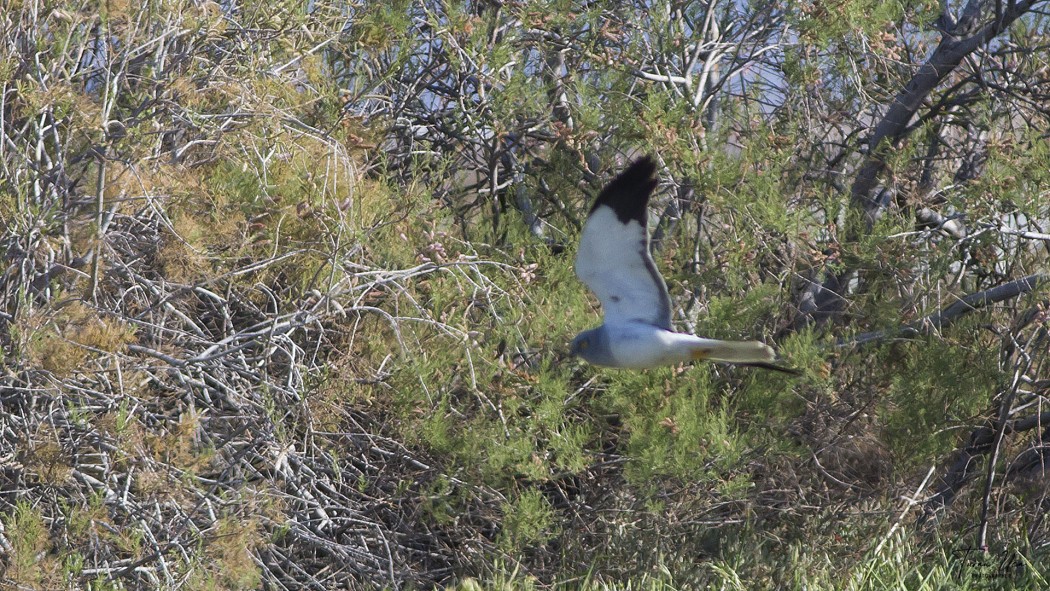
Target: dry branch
946,316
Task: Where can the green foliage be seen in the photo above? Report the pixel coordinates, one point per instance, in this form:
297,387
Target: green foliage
828,21
935,388
1014,170
679,434
528,520
227,563
381,24
321,337
32,561
892,561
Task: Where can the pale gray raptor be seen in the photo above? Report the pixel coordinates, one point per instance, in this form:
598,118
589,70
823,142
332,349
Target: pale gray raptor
614,262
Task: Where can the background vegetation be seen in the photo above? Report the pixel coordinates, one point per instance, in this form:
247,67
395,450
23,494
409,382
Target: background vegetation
287,290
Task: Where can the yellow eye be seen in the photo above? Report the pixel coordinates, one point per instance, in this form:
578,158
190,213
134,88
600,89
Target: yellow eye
585,344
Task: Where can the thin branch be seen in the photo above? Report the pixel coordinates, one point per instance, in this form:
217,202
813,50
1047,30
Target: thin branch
943,318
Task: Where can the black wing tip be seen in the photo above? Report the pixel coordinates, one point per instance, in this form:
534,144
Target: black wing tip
774,367
628,193
644,167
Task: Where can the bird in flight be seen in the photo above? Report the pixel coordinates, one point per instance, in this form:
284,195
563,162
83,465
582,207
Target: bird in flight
614,262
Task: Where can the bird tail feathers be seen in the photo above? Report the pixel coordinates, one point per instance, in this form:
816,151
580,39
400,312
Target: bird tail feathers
733,351
749,353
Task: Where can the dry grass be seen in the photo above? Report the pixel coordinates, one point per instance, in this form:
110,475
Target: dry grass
276,313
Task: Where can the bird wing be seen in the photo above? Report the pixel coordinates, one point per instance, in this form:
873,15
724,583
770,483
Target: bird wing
614,260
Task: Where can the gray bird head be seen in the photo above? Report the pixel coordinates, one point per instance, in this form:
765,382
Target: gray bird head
593,346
